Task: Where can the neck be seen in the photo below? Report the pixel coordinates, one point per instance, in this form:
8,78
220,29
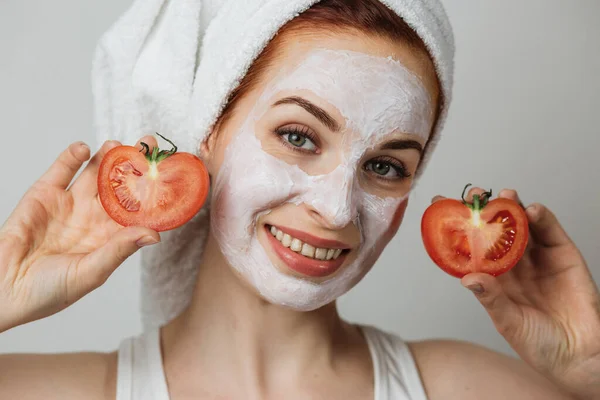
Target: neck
228,327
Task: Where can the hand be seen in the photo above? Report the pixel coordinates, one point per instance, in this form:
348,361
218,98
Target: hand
547,307
59,244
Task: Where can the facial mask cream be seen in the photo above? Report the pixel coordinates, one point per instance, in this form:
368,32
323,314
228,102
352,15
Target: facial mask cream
376,96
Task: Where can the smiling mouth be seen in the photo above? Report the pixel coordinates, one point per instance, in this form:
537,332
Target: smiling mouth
319,258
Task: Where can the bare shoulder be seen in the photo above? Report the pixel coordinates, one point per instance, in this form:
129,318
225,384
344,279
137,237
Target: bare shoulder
460,370
58,376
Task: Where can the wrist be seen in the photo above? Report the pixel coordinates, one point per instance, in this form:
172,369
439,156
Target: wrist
580,380
587,395
584,391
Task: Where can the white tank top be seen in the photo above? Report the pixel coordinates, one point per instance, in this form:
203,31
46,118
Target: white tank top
141,376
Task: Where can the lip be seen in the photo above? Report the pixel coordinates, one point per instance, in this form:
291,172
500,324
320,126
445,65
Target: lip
304,265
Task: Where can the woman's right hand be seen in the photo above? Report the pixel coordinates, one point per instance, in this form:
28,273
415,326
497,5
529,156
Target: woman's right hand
59,244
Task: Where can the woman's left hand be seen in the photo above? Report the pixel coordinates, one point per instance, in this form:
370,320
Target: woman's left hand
548,306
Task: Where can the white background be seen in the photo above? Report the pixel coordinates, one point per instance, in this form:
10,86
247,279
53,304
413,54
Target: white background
525,115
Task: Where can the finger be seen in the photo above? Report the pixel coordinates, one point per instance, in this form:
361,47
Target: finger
544,226
95,268
472,192
437,198
505,313
149,140
512,195
62,171
86,182
468,197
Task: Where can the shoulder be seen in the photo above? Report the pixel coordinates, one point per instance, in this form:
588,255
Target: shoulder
459,370
58,376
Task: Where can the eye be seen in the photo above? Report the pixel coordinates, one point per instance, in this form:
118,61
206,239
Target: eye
298,139
387,168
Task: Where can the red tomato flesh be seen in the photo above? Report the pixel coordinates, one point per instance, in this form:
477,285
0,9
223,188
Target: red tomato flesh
160,195
461,240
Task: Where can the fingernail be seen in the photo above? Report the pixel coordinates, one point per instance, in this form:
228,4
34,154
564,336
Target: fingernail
476,288
84,146
146,241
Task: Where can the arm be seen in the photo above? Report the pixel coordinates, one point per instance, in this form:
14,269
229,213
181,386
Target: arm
59,244
463,371
548,306
90,376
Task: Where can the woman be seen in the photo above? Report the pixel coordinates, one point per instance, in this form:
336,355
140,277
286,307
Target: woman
331,123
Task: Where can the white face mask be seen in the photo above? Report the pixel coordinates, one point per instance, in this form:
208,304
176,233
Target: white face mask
376,96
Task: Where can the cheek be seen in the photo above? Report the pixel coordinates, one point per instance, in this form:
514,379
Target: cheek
249,181
271,144
398,217
213,150
395,223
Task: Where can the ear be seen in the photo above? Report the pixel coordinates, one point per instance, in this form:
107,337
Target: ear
205,150
208,144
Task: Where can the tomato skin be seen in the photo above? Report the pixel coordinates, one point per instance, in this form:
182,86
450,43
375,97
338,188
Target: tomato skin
163,196
459,245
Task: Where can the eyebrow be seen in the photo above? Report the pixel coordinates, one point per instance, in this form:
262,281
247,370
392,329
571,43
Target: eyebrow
331,123
402,144
322,115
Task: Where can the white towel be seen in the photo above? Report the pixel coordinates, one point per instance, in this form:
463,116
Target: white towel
168,66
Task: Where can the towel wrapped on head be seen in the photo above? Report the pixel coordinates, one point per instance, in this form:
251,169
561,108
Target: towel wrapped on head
169,66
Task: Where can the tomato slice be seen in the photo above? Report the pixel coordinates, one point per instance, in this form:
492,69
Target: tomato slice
486,236
158,189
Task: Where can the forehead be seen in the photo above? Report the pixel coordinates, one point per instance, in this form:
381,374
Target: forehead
293,47
375,95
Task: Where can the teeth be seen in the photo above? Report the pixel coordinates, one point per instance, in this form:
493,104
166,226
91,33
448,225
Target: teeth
321,254
308,250
330,254
286,241
296,245
305,249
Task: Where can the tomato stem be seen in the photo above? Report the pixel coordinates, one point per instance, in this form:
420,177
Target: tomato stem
157,155
479,201
145,147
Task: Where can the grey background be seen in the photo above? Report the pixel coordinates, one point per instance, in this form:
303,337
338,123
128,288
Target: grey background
525,116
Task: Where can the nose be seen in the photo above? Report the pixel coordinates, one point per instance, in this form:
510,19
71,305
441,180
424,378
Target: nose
332,199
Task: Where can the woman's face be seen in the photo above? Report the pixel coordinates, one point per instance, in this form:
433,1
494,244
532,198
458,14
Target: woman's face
313,170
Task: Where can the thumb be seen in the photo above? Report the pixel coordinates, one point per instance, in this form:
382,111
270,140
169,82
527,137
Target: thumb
97,266
505,313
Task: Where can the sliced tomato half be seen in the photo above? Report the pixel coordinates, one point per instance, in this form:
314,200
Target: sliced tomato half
482,236
158,189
